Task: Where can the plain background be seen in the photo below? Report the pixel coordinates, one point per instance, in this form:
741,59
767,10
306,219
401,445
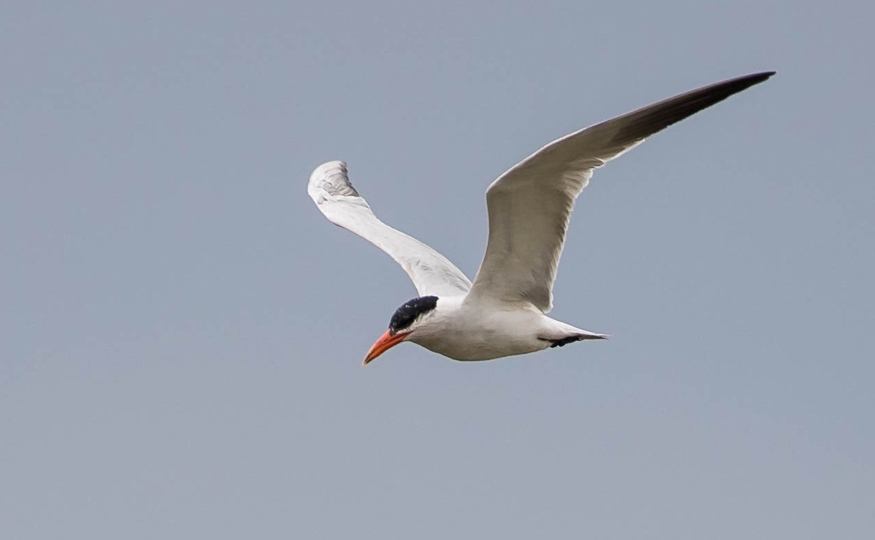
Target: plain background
181,330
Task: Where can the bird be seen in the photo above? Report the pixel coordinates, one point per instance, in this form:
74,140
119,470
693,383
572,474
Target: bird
503,312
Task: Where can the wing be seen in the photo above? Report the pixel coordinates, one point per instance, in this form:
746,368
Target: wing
529,205
430,271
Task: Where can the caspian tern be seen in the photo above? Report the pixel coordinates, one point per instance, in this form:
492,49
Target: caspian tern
503,312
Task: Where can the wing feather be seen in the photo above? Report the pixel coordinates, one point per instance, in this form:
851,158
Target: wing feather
530,205
430,271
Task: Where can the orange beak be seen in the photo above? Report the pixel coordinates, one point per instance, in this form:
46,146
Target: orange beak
386,342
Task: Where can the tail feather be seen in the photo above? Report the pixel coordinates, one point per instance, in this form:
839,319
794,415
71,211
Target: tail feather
576,337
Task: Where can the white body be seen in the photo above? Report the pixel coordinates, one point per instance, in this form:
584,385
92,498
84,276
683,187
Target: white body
503,312
472,331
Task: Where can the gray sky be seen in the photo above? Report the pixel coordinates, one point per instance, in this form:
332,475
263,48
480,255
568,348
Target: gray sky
181,331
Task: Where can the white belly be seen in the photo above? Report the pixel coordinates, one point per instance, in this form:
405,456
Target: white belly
486,335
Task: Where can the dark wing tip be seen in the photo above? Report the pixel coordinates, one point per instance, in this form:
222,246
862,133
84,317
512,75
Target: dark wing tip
746,81
761,76
646,121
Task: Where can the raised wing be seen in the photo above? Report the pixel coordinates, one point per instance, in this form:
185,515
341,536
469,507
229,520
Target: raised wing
529,205
431,272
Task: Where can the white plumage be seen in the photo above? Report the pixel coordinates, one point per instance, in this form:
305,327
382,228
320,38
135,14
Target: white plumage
430,271
503,312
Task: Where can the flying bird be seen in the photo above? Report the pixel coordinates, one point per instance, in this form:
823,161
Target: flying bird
503,312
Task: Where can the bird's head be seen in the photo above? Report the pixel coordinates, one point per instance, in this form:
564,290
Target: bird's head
405,321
